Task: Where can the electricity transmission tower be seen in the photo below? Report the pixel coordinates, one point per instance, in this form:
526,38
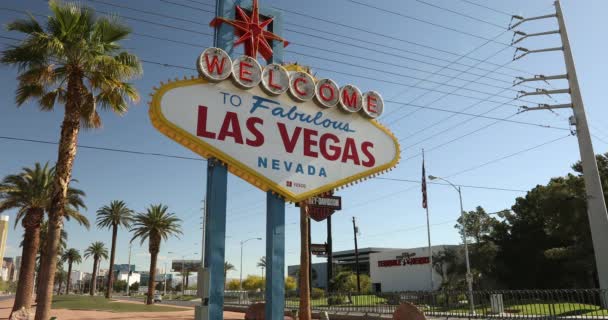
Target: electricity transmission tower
596,205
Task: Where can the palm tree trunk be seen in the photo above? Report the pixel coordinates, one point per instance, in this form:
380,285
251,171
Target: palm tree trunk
60,287
94,278
69,284
31,242
305,312
111,271
151,284
63,174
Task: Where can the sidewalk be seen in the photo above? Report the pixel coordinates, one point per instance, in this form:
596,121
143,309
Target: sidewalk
6,305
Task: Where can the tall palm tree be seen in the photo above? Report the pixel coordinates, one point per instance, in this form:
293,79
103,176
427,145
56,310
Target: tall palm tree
154,225
98,251
227,268
74,60
305,312
113,216
70,256
262,264
29,193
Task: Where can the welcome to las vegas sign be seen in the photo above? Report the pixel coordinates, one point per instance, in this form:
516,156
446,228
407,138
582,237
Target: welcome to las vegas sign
278,128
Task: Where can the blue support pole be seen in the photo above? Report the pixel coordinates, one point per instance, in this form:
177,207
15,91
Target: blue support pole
215,237
275,257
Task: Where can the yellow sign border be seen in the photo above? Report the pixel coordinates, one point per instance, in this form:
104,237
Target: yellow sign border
206,150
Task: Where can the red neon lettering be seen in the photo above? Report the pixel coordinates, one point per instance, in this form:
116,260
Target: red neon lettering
350,152
270,83
201,127
231,128
244,72
331,91
214,64
350,101
309,143
289,143
324,147
365,148
296,88
371,104
259,137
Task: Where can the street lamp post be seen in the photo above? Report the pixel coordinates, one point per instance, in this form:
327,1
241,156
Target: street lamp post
469,276
241,268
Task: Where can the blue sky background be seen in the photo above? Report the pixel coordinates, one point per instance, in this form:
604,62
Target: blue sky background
389,213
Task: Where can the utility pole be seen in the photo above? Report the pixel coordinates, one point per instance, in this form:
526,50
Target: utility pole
309,255
596,205
165,280
330,262
356,230
128,271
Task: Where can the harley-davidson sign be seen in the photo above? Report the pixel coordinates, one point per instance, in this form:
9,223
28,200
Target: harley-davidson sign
280,130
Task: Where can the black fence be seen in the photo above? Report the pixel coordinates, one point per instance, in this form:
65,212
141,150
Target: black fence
511,304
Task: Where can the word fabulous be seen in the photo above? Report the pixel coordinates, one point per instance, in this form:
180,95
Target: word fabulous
215,65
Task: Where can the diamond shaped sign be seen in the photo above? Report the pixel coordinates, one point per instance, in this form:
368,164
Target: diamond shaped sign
274,141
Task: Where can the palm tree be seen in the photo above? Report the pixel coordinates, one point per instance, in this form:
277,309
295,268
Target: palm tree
262,264
113,216
98,251
27,192
70,256
74,60
154,225
227,267
305,310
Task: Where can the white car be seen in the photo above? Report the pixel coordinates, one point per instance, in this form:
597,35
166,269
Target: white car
158,297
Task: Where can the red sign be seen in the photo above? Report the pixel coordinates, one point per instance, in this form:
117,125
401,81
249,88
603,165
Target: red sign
404,260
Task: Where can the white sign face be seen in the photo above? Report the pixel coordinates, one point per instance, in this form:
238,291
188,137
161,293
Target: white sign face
297,149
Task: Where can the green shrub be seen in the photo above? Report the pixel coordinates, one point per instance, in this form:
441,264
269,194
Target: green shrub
317,293
339,299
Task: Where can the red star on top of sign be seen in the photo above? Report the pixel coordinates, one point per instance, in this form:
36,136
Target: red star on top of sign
251,31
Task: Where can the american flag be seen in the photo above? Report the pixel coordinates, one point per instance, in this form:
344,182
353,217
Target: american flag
424,200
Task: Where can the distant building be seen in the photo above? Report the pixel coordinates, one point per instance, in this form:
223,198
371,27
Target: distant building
4,227
124,268
17,266
8,270
124,276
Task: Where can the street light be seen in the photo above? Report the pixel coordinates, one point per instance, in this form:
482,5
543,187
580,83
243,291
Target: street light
241,278
469,276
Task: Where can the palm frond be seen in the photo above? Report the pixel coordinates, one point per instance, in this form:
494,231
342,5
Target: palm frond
27,26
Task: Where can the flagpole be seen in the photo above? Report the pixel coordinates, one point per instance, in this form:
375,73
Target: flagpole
428,225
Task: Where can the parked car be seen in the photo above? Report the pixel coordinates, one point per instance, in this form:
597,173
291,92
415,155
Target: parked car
158,297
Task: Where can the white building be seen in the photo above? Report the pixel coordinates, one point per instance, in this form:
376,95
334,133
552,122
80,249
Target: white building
124,276
404,270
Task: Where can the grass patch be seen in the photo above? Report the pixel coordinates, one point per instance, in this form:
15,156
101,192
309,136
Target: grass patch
102,304
357,300
540,309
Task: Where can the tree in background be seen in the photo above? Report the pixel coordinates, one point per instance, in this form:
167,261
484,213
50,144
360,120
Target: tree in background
154,225
134,287
60,278
233,285
290,284
227,268
254,283
112,216
98,251
75,60
262,264
120,286
30,193
70,256
346,282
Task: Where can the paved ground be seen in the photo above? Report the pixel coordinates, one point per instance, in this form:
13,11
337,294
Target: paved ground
187,314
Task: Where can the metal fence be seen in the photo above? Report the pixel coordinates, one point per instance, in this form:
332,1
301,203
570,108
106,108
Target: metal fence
503,304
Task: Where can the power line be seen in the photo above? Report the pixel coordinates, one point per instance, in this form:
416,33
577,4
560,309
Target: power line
429,22
461,14
105,149
179,4
488,8
443,96
508,156
146,11
458,185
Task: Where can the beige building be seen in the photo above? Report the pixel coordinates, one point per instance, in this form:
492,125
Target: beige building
3,235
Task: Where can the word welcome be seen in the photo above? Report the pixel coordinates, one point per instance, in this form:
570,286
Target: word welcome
215,65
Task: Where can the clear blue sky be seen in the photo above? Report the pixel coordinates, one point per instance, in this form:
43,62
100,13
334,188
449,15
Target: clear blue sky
389,213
